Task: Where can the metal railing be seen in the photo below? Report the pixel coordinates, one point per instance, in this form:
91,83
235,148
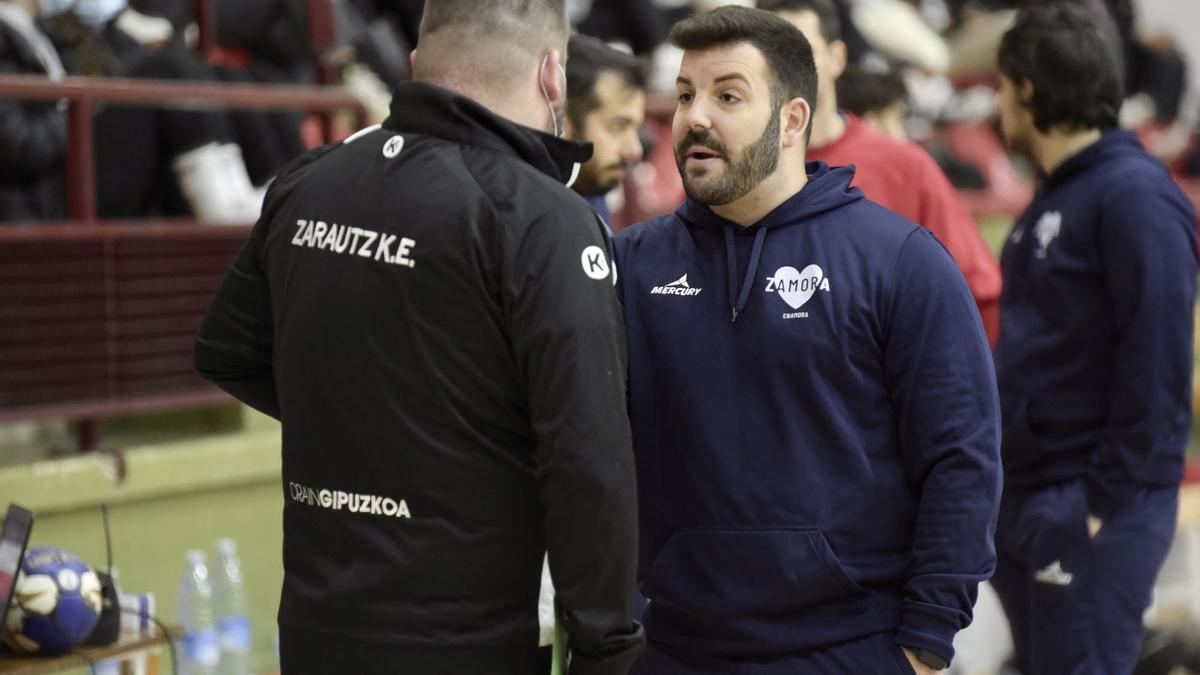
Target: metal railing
82,93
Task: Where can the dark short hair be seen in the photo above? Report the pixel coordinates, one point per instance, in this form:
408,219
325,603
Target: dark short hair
588,59
826,11
862,91
1062,50
490,41
533,15
787,52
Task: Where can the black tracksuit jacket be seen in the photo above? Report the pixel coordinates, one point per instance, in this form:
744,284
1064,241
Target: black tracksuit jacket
430,313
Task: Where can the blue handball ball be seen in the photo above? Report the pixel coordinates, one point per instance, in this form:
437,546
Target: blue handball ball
56,604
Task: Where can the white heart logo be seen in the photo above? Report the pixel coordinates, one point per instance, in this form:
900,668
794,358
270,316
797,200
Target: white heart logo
796,288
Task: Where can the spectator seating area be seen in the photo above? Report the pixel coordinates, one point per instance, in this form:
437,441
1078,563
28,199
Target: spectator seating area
97,316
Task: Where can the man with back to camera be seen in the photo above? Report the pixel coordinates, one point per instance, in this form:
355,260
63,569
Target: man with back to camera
812,398
429,311
896,173
1095,359
606,104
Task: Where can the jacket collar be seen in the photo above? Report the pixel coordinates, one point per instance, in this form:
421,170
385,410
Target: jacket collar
1112,142
423,108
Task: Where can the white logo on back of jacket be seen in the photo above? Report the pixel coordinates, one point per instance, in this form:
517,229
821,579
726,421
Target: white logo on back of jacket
678,287
393,146
354,502
796,288
595,263
354,241
1046,231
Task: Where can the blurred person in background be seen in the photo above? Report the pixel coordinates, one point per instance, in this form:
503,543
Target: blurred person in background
1152,65
897,31
149,161
877,98
154,161
811,394
33,134
641,24
429,311
606,104
1094,360
256,41
895,173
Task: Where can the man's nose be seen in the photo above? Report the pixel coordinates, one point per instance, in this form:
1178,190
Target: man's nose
631,148
696,116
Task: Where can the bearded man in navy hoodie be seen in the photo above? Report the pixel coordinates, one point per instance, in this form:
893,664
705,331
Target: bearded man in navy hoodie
1094,360
812,398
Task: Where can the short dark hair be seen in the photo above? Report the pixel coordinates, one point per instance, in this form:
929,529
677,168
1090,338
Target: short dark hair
588,59
826,11
489,42
532,15
1062,50
787,52
862,91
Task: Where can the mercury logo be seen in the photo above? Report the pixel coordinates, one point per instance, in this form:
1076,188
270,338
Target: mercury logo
678,287
336,500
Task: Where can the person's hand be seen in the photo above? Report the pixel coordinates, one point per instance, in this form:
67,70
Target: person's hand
918,667
1094,524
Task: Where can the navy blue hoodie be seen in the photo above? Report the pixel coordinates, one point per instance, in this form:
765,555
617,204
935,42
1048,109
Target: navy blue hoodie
1094,360
826,466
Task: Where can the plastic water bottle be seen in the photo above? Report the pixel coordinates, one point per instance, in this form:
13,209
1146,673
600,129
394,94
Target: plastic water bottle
200,652
233,621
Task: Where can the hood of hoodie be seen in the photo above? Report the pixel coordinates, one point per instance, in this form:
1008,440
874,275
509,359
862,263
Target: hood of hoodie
423,108
827,189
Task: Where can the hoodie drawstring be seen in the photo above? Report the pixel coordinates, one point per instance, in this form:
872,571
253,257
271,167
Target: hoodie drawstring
739,298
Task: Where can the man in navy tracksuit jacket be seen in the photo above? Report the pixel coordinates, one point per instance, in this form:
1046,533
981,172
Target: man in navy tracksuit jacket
811,394
1094,360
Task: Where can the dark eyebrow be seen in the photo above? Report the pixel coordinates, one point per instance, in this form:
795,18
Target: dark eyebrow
724,78
732,76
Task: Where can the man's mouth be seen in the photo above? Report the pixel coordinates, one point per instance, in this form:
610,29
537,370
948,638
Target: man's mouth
701,155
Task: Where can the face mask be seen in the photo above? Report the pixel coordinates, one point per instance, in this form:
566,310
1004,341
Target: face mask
559,124
49,8
96,13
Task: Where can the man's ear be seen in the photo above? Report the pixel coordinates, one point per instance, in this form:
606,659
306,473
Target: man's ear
1026,93
553,81
838,58
797,115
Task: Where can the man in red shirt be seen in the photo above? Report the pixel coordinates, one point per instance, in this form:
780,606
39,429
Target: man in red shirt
898,174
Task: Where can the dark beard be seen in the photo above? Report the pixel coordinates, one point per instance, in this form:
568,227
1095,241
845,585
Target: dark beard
753,165
590,183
